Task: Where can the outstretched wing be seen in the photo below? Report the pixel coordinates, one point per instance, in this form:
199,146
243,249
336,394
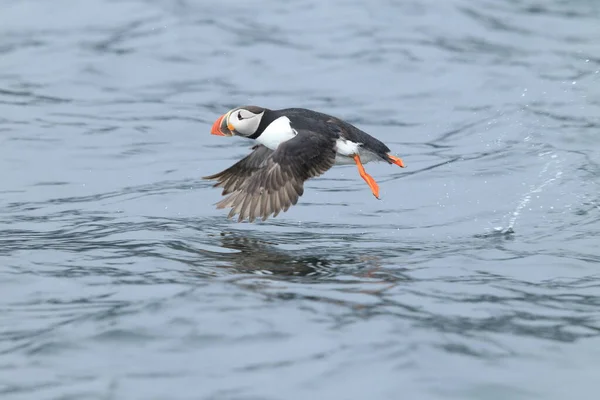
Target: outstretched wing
279,180
232,178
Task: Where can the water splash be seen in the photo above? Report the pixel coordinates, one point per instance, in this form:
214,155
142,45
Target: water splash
553,168
538,188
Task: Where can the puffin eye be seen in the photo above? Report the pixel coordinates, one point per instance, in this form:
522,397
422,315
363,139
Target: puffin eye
240,115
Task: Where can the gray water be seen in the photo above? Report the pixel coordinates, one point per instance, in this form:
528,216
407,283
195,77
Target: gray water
476,276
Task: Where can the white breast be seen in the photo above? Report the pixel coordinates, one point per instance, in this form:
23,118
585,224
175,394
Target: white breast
276,133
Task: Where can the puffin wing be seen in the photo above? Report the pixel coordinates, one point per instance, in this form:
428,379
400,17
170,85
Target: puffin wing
279,181
233,177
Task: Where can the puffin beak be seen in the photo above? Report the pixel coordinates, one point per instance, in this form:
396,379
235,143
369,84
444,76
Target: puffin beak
221,127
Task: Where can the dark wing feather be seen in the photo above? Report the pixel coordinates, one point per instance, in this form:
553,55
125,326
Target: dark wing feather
232,178
279,181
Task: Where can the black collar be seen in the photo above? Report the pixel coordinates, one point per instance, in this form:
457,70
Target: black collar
268,117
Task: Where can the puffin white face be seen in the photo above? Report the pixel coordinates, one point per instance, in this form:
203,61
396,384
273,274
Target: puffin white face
244,122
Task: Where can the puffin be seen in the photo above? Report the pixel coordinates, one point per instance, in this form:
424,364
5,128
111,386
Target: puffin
292,145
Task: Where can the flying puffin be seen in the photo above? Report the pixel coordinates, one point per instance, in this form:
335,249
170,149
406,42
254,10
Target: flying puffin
293,145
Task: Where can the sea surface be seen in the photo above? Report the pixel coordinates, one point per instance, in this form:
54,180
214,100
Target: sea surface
476,276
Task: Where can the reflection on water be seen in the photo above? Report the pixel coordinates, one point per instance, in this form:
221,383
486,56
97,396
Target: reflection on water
474,277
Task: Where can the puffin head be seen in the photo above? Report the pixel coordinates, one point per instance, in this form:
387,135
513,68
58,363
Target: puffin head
241,121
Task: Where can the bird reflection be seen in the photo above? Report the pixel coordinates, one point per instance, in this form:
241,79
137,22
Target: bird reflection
257,255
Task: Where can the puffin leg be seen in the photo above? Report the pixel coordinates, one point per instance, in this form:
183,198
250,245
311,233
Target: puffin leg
396,160
368,178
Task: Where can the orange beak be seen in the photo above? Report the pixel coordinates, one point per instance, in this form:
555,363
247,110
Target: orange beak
221,127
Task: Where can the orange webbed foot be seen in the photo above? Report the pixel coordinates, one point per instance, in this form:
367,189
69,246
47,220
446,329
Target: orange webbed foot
368,178
396,160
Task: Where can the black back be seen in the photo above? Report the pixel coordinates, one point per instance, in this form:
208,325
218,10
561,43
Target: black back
315,121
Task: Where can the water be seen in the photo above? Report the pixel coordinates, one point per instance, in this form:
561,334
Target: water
476,276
